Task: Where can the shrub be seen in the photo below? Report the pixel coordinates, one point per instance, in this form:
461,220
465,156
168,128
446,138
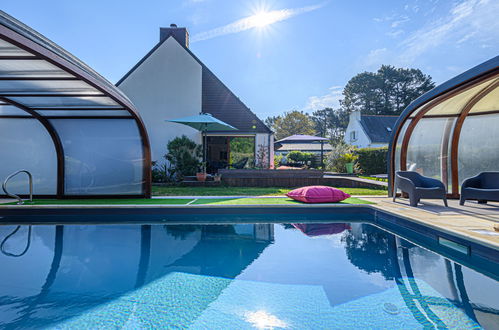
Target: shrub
184,157
262,157
372,160
160,172
300,157
335,161
349,157
277,160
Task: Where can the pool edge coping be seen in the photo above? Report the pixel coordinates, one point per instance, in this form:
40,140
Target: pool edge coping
462,233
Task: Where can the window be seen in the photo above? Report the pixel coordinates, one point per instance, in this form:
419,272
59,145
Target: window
353,136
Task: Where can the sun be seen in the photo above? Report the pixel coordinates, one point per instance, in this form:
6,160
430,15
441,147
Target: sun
262,19
265,18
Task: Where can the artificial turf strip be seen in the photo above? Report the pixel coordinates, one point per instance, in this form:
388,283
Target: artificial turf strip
268,200
178,201
135,201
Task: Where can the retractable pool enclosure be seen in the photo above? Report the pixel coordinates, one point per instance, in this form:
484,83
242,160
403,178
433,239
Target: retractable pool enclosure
72,129
452,132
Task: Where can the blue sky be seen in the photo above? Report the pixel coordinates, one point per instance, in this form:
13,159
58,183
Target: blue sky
300,61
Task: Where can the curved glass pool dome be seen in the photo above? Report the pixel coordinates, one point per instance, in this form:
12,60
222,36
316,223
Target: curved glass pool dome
59,119
451,132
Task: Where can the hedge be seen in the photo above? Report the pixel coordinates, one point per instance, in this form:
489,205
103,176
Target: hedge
372,160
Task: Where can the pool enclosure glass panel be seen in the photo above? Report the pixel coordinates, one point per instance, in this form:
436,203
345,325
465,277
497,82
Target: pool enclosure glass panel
452,132
27,145
47,87
101,156
73,130
428,149
479,146
9,110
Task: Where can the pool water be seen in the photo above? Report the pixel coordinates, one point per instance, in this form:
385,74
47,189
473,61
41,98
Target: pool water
265,276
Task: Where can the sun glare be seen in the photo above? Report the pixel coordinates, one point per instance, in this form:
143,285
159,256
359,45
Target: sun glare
265,18
261,19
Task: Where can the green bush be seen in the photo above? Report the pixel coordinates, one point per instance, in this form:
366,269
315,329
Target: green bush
372,160
349,157
335,161
277,160
160,172
184,157
301,157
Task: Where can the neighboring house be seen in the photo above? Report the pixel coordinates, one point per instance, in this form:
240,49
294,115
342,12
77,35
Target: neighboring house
369,131
171,82
304,143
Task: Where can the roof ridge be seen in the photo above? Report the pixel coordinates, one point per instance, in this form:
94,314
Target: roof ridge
379,115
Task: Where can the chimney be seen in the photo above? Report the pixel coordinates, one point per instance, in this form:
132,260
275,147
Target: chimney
180,34
355,115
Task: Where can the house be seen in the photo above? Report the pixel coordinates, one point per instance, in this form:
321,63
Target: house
304,143
170,82
369,131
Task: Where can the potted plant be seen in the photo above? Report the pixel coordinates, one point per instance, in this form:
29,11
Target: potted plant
349,159
201,175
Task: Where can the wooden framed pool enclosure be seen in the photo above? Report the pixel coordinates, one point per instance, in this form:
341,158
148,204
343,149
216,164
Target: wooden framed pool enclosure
76,132
450,133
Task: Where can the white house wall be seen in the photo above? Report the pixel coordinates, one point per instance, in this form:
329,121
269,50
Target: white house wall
362,140
167,85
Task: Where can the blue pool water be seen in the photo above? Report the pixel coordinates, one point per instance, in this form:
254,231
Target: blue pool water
266,276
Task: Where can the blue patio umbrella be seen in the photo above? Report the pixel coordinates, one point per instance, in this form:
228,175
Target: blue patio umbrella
204,122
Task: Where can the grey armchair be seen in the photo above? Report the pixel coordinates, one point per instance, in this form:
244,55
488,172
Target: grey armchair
483,187
418,186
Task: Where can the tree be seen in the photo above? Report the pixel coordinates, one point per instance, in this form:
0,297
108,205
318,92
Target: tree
330,123
385,92
292,122
270,121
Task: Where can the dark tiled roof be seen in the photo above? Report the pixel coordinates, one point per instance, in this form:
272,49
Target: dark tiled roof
219,101
303,147
301,137
376,127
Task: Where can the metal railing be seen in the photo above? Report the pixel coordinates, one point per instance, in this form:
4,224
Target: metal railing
4,186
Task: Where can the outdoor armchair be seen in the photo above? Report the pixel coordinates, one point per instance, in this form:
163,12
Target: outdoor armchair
483,187
418,186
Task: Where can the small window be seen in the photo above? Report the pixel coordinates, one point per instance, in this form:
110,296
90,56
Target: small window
389,129
353,136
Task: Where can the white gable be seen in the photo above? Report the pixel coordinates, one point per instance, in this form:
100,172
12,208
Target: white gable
355,134
166,85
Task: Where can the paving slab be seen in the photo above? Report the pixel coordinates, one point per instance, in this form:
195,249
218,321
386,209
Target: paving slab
472,221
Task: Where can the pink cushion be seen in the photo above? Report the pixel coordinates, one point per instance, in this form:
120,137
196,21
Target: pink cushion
318,194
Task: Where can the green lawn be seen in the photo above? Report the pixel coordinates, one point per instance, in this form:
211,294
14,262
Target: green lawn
178,201
245,191
373,178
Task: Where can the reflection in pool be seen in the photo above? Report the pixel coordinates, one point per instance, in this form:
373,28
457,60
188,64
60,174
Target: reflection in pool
234,276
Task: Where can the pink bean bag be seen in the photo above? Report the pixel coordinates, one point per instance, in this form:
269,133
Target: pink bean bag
318,194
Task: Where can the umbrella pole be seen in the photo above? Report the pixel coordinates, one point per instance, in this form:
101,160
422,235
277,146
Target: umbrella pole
205,147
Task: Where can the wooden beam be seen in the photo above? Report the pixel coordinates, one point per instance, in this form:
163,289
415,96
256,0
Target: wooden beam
457,133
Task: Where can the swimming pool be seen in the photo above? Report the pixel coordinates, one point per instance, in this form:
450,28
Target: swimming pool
252,275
